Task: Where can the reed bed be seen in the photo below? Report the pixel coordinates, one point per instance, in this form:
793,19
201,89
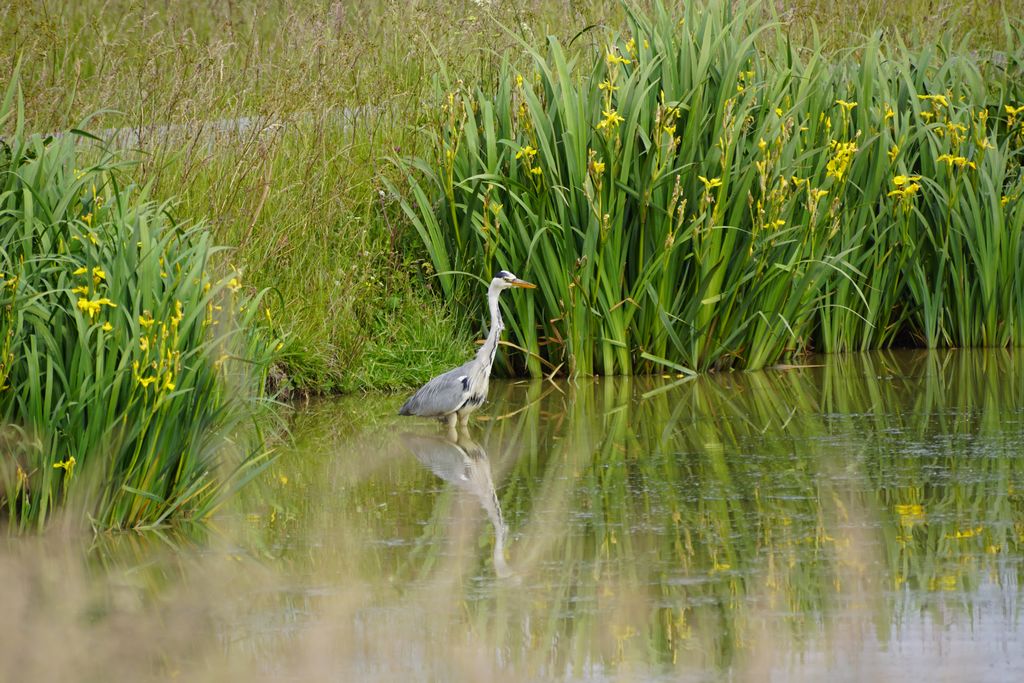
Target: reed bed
131,371
700,192
326,91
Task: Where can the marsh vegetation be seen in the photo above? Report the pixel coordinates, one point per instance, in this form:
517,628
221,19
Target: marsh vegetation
703,193
251,201
128,364
333,93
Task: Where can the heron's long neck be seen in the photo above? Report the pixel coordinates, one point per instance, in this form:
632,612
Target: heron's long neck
486,353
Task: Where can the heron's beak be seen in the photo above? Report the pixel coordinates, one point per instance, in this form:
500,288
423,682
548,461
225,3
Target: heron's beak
524,284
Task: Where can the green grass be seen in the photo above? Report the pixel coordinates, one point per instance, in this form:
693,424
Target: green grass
698,194
297,196
131,372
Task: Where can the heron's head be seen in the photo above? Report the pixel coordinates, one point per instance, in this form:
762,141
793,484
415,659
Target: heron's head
505,279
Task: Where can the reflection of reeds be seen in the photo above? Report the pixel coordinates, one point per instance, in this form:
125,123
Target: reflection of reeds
674,522
776,520
670,530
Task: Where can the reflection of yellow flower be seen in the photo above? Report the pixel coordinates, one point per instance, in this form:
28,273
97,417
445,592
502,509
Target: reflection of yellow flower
910,513
968,533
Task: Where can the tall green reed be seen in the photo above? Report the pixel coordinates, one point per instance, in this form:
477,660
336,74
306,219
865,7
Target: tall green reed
704,194
131,370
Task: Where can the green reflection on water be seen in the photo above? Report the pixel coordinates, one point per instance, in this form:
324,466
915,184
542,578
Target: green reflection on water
725,522
860,519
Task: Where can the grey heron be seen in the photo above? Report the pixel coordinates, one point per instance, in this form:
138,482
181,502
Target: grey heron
455,394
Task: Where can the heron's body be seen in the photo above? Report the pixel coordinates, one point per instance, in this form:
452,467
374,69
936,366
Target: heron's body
454,395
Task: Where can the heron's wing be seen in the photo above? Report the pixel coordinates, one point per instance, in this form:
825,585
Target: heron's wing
440,396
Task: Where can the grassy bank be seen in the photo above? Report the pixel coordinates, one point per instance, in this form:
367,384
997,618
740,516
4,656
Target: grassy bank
700,192
296,194
129,371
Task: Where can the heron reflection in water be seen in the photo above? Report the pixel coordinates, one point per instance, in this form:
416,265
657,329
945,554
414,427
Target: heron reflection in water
463,462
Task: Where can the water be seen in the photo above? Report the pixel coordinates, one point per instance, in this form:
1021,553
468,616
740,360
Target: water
859,519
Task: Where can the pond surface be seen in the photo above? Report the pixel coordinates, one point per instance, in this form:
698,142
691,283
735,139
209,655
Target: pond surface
860,519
